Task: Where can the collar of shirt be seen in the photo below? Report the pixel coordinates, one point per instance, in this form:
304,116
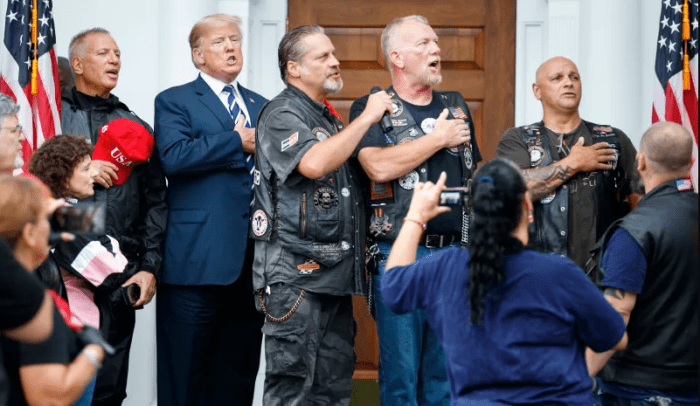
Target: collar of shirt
218,86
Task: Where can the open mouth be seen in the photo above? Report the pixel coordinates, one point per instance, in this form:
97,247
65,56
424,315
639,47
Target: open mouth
231,60
113,73
435,64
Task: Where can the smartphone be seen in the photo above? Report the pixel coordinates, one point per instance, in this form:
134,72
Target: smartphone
453,196
83,217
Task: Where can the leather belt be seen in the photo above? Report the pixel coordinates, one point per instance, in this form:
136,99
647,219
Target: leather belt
439,240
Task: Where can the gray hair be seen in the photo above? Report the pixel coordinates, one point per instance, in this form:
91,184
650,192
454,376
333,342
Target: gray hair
8,108
214,20
77,43
389,35
292,47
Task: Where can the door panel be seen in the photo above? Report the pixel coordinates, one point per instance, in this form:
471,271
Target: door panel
477,42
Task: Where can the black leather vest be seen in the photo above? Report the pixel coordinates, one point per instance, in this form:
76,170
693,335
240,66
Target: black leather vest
389,201
663,328
549,232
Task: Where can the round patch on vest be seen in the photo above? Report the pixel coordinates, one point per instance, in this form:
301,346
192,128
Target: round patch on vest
405,140
321,133
344,246
548,199
409,180
396,108
413,132
428,125
345,192
536,155
259,223
468,156
325,199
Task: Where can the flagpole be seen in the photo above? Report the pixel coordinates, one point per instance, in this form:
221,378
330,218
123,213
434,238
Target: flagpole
35,32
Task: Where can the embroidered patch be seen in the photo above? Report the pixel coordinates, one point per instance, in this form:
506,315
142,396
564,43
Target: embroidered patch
256,177
605,129
307,267
379,222
400,123
405,140
428,125
345,192
413,132
321,133
325,199
396,108
380,190
330,251
457,112
344,245
536,155
548,199
259,223
684,184
468,156
290,141
409,180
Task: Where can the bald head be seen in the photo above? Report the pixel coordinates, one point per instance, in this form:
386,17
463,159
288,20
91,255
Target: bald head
550,64
668,148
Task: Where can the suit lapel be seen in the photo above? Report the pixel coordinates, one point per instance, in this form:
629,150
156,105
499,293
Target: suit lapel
251,104
213,103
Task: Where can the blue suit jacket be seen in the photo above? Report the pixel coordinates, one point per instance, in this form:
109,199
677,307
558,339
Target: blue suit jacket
209,186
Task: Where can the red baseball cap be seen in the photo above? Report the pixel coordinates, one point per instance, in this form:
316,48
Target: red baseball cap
124,143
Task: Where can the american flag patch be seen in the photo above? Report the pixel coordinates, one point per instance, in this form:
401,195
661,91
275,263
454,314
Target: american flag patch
457,112
684,184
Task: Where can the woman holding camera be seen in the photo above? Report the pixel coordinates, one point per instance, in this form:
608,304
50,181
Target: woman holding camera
514,323
61,369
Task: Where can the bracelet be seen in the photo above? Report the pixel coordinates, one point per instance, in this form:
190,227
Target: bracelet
93,357
422,225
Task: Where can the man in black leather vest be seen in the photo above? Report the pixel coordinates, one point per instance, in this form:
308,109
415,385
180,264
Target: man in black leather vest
431,133
578,173
650,261
307,222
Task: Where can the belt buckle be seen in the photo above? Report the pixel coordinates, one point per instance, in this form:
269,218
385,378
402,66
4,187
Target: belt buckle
434,240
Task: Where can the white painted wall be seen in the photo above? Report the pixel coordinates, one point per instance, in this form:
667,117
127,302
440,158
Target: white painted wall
612,41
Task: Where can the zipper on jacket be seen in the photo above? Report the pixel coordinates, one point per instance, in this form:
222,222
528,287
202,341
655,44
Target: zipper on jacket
302,222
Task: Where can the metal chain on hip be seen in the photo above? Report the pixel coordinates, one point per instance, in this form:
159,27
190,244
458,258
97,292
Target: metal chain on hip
289,314
372,251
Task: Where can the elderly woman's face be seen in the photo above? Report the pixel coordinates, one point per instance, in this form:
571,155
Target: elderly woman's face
10,143
80,184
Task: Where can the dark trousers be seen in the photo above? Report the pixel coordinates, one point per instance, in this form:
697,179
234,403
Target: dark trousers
209,341
310,356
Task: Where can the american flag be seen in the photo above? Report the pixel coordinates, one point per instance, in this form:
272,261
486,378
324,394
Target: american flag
40,113
671,101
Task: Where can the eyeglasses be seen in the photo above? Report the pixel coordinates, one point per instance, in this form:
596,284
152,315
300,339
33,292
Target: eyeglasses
13,130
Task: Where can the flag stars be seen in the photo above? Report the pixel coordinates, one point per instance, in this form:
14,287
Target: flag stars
678,8
12,17
664,22
45,21
695,23
667,3
671,46
674,27
29,62
662,42
41,39
693,43
668,65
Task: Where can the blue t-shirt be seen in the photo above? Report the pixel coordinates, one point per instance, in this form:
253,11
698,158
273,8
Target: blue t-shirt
530,347
624,263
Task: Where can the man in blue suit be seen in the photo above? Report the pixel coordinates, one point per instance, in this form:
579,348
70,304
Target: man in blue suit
207,327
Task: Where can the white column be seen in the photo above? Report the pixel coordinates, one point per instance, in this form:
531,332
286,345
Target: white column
175,19
531,48
563,26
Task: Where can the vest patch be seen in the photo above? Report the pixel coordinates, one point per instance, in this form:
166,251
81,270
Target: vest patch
400,123
325,199
536,155
307,267
409,180
549,199
380,191
259,223
457,112
321,133
379,222
428,125
289,141
396,108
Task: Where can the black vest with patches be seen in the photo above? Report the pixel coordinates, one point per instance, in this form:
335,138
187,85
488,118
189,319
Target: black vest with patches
389,201
549,232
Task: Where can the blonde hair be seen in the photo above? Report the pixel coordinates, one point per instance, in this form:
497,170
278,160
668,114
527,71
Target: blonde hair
214,20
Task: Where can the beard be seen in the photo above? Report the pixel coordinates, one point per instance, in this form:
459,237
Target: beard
331,85
430,79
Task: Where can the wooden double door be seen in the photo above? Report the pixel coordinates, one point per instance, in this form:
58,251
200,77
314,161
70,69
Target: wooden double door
477,42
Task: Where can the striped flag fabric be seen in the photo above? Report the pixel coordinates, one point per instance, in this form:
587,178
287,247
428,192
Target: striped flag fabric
674,54
22,50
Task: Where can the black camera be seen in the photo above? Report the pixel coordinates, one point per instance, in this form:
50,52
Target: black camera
127,295
454,196
82,217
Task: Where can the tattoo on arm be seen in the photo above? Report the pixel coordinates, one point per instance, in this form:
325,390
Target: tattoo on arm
543,181
618,294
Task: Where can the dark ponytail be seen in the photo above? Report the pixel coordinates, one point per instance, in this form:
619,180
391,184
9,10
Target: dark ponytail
497,194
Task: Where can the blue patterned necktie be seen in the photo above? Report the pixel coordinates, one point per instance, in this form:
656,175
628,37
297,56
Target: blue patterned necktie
237,112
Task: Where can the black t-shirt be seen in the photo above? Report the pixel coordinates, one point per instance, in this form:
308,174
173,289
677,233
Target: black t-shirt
21,293
444,160
60,348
